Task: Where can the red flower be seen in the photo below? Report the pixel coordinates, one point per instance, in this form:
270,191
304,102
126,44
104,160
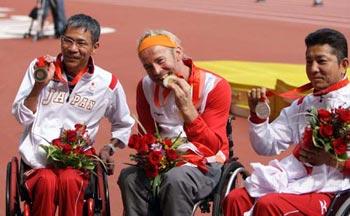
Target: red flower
326,130
344,115
143,147
151,171
171,154
134,141
307,138
90,152
339,146
66,148
148,139
168,142
155,157
58,143
78,150
144,142
71,136
324,115
80,128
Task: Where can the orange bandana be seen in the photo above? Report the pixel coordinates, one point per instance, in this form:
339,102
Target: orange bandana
154,40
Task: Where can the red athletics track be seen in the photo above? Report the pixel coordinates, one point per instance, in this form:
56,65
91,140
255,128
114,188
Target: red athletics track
272,31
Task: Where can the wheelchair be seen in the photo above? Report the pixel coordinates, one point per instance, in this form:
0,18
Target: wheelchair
232,176
18,203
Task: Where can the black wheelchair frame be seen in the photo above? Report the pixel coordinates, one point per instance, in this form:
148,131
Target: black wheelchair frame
96,197
232,174
340,205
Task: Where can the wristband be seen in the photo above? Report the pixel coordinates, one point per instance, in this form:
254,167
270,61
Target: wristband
113,148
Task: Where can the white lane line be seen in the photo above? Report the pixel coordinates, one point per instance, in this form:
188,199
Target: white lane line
332,15
18,25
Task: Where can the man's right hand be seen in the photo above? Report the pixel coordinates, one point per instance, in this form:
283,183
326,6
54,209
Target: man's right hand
254,96
31,102
183,98
50,68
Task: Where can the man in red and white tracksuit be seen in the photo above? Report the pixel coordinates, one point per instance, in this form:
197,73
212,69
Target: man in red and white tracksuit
304,182
75,91
194,104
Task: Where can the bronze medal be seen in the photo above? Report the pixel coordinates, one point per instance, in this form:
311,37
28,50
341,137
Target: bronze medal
40,74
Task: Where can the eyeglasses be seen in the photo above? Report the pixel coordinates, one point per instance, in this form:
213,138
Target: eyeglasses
67,41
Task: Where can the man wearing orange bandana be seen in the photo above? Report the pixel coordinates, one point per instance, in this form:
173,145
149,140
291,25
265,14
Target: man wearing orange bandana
74,90
304,182
194,103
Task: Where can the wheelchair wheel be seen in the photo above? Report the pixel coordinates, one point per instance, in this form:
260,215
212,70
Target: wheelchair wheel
102,185
12,189
340,205
344,209
232,177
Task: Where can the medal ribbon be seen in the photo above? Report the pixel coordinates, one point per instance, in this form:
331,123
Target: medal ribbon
58,72
297,92
41,62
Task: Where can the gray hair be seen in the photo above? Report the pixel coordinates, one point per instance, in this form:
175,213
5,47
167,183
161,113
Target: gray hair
153,32
87,22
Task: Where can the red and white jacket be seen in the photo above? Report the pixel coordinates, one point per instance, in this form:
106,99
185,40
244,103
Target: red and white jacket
97,94
289,174
212,98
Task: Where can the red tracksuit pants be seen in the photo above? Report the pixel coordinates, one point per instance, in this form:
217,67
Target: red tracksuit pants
51,187
238,201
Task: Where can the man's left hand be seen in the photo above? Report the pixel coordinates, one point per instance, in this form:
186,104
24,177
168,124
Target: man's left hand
106,156
317,156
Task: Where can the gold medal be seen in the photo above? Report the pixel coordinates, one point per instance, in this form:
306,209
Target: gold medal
168,79
262,110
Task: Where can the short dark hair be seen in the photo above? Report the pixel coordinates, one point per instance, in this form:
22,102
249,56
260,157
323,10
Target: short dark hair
331,37
87,22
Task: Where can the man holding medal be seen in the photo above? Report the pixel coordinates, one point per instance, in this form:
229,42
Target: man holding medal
58,93
179,99
303,183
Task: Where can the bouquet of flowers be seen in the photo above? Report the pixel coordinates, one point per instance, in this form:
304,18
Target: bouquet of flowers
72,148
329,130
156,155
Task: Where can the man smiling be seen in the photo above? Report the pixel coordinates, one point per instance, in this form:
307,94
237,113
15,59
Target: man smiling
178,98
304,182
75,90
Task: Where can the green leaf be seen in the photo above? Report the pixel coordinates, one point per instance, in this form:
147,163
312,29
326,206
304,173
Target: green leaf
155,183
342,156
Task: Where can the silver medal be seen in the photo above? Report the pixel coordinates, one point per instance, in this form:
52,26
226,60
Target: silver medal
262,110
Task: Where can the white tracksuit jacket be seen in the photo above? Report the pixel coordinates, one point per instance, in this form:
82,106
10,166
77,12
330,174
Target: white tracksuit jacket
289,175
96,95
